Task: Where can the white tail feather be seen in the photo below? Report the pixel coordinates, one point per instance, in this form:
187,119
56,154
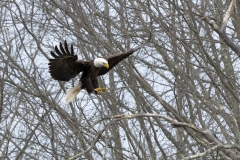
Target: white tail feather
73,92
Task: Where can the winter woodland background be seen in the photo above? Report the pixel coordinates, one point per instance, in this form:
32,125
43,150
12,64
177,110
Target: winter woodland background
177,98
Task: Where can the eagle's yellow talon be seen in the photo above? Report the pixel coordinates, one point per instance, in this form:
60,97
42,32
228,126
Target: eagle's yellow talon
100,90
97,89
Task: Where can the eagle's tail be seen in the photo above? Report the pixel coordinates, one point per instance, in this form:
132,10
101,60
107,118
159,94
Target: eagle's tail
72,93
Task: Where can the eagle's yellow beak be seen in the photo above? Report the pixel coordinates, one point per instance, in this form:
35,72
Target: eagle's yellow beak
106,65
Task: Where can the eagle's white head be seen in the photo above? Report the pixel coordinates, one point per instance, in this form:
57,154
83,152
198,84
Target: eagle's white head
100,62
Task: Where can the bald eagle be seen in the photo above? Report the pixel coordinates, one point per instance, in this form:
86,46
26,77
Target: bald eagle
66,66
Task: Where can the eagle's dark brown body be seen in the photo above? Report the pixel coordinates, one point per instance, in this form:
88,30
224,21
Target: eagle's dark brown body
89,78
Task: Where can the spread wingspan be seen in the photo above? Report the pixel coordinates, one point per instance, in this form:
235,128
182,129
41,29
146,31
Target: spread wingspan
65,65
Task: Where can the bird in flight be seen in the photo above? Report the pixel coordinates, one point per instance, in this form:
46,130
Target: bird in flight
65,66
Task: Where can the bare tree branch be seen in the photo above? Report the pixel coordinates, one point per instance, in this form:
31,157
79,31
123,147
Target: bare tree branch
93,143
206,133
227,16
213,149
223,35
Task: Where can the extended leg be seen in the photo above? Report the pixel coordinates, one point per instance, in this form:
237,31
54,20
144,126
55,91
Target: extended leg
96,87
88,84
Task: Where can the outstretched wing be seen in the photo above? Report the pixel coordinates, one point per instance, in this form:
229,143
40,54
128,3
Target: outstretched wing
113,60
65,65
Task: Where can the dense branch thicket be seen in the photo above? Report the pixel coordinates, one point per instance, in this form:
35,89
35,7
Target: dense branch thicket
184,85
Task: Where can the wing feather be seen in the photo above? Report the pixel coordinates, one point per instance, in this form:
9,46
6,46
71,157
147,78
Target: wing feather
66,48
72,51
113,60
65,65
53,54
62,49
